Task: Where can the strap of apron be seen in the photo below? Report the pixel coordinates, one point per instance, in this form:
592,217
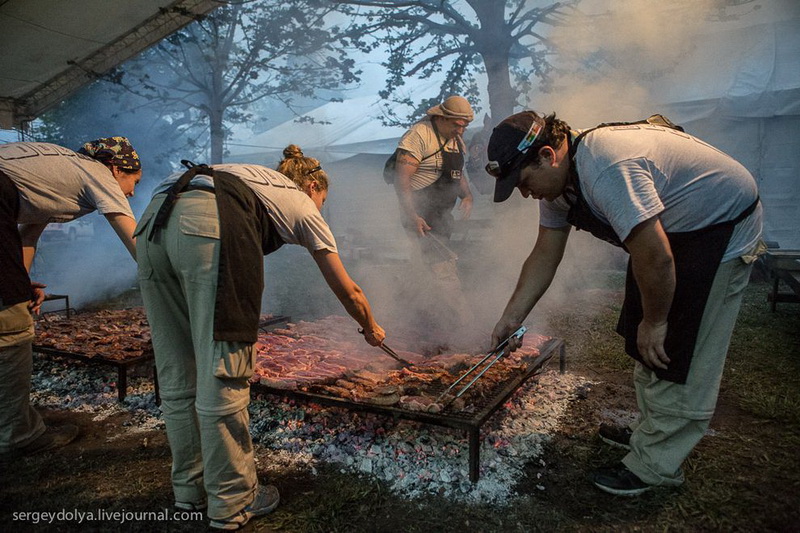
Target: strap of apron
173,194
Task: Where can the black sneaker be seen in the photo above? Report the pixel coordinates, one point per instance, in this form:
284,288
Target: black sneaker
618,480
619,436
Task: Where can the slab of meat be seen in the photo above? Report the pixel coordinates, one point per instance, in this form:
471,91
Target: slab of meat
117,335
329,357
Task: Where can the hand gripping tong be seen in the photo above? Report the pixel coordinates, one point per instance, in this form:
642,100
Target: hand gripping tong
497,353
391,353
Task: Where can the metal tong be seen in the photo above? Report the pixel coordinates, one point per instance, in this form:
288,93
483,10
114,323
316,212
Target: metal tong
497,352
442,248
391,353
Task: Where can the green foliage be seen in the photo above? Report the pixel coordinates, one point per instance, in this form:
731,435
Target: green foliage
460,38
207,75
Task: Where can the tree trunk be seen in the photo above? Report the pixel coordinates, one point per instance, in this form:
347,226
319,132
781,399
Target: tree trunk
217,135
502,96
494,41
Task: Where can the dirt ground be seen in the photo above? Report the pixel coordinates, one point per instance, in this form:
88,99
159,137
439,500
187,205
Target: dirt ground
742,477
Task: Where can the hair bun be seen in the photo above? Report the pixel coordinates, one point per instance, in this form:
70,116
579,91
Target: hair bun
292,151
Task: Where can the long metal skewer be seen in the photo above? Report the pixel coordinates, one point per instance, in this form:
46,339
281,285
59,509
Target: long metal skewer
498,351
443,248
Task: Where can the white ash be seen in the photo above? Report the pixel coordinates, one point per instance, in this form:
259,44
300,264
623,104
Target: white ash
84,388
417,459
619,417
414,459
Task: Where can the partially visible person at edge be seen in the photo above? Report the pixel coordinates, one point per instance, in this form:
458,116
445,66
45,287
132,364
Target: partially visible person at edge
42,183
429,180
476,160
201,243
690,218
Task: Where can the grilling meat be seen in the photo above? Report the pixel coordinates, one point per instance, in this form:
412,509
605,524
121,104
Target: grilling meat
115,335
328,357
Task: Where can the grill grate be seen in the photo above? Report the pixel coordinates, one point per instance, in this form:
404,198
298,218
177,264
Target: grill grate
470,422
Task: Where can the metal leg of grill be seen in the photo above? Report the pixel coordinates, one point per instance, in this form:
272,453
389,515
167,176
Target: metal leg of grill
474,436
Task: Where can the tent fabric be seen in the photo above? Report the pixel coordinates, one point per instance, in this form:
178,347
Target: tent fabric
748,105
52,48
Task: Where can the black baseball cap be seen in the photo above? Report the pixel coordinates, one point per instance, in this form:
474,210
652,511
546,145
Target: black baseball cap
509,144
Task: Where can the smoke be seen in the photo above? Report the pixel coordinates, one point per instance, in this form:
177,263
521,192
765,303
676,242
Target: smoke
607,65
611,55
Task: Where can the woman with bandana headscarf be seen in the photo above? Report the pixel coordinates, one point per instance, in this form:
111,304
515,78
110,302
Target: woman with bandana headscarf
42,183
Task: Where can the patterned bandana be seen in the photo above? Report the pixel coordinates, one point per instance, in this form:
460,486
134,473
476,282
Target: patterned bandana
116,151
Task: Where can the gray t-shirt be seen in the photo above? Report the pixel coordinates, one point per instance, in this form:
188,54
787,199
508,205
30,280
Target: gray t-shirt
297,220
420,141
629,174
58,185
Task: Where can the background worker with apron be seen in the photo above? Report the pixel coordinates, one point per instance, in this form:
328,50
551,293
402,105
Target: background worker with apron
429,180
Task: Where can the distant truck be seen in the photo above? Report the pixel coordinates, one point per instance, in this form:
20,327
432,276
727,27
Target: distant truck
80,228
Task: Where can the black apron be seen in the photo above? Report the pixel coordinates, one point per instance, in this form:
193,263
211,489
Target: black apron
697,255
246,235
435,202
15,285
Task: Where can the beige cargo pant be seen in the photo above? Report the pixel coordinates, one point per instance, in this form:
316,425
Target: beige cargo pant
20,424
674,417
203,383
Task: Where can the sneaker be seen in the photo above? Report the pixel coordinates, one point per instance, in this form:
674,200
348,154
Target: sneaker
618,480
201,505
266,500
52,438
619,436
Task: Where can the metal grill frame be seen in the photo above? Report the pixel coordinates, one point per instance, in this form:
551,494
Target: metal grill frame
122,365
471,423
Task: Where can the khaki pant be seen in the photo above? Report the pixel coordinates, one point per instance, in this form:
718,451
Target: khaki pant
674,417
203,383
20,424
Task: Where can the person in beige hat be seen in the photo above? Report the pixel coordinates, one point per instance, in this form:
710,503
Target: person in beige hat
429,182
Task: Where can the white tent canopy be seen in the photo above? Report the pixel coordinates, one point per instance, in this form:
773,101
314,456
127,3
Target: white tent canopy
333,131
747,103
51,48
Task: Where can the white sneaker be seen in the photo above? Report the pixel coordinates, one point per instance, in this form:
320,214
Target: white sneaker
266,500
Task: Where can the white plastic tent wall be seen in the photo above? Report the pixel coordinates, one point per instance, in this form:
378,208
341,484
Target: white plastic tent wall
750,108
331,132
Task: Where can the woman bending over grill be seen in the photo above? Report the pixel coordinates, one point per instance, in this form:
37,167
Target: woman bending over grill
42,183
200,247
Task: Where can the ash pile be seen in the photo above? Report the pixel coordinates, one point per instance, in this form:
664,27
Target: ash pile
412,458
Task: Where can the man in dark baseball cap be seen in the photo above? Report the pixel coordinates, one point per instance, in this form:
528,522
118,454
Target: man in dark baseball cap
689,216
509,147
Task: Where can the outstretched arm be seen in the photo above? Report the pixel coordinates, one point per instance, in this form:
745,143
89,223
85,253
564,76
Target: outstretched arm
124,225
30,234
537,273
349,294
